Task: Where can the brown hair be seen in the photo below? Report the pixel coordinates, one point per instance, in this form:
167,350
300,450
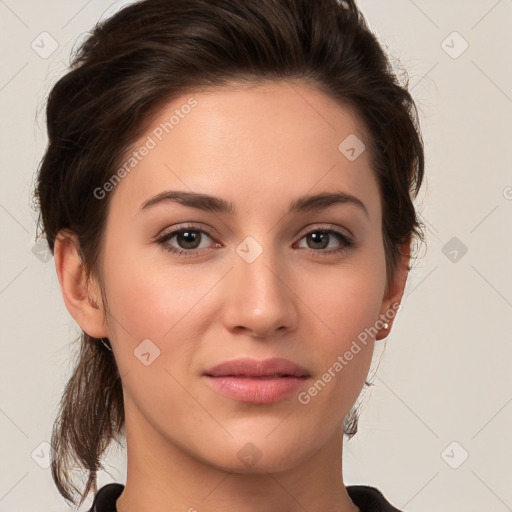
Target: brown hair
140,59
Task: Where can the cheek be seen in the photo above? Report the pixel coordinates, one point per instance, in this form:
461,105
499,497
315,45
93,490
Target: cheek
156,305
343,349
342,306
160,303
344,300
151,298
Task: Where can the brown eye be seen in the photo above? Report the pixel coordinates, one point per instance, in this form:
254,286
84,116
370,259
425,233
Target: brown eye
319,240
188,240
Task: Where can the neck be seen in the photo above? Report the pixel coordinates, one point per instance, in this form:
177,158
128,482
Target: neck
162,476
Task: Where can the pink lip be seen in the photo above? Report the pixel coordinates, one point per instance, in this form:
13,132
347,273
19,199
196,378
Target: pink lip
253,381
273,367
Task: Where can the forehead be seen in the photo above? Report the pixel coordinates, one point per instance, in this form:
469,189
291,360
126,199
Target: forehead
273,141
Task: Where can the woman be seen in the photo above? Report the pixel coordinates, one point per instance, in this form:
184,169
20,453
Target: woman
227,192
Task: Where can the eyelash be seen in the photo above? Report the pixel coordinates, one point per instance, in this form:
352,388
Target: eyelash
347,241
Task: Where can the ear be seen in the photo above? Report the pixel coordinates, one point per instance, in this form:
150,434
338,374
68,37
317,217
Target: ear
395,290
83,305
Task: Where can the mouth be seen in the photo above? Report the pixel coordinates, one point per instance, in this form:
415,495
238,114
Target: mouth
253,368
257,382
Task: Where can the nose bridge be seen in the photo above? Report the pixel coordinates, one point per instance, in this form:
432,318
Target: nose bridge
259,299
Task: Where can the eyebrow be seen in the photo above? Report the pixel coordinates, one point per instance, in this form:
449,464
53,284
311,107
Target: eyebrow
213,204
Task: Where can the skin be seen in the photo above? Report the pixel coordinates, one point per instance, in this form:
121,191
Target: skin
259,147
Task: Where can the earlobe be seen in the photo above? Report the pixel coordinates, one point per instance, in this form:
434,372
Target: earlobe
393,296
71,273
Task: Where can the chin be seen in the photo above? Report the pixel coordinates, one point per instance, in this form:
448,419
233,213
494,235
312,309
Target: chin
257,454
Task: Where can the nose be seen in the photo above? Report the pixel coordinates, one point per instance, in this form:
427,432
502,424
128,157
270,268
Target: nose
259,297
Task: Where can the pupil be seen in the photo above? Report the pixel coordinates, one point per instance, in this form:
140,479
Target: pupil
317,238
192,235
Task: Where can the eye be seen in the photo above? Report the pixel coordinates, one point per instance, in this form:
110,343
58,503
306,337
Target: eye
188,239
320,239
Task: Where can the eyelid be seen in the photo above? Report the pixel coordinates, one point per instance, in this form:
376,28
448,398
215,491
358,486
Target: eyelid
196,226
326,227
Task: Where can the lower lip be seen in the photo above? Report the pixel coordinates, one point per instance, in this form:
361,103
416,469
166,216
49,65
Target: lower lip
256,390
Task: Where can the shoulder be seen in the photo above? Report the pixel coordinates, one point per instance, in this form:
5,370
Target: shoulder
106,497
369,499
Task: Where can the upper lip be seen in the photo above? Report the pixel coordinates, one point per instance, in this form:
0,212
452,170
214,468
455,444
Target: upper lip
276,366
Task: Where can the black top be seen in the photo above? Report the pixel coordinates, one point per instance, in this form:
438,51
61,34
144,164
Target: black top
368,499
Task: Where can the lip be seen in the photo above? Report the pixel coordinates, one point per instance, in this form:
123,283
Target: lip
254,381
273,367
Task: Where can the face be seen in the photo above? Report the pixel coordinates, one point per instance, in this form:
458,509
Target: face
190,287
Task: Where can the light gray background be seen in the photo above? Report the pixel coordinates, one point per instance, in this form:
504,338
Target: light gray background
443,389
